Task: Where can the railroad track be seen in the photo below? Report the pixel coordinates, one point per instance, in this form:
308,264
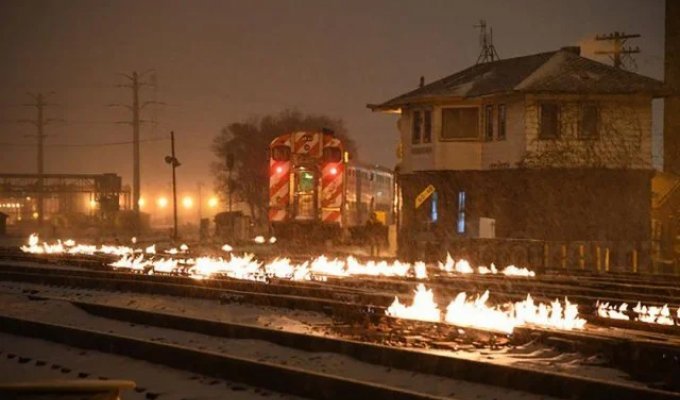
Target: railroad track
638,352
354,298
303,382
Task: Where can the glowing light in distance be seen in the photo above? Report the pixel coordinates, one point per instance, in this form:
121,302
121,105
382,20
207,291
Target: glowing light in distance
141,202
162,202
213,202
35,215
333,171
93,204
187,202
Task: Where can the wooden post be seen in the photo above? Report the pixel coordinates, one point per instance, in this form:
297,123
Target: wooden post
564,256
635,261
581,257
598,259
606,259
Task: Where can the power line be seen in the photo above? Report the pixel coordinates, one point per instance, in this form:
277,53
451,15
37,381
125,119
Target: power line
83,144
619,53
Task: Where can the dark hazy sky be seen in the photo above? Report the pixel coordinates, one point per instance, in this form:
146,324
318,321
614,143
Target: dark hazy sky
224,61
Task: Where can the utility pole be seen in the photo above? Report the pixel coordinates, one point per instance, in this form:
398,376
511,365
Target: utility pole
488,51
135,84
39,122
174,162
619,52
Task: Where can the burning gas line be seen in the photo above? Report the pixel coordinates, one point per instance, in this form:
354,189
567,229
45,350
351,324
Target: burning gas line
247,267
461,311
649,314
465,312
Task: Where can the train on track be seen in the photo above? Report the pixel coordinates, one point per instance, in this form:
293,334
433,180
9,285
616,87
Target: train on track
315,190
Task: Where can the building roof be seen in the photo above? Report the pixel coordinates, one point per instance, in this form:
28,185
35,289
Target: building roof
563,71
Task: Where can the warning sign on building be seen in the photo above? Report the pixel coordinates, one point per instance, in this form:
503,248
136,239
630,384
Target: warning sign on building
427,192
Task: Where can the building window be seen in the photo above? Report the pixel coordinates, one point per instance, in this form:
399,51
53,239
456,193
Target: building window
434,212
460,225
588,122
427,126
460,123
549,127
488,122
501,122
415,128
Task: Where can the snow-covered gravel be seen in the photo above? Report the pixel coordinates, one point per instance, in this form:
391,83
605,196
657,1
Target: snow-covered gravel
64,313
29,360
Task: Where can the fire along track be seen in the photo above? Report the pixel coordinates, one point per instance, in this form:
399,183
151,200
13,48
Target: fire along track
304,383
626,348
580,288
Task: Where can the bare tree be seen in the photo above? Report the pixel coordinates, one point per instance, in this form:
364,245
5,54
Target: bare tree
248,142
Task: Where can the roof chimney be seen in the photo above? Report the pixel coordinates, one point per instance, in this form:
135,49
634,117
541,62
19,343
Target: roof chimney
572,49
422,82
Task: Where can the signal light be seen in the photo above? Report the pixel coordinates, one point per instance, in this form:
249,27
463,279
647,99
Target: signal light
333,171
279,169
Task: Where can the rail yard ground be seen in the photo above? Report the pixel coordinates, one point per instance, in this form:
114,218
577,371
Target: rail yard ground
76,316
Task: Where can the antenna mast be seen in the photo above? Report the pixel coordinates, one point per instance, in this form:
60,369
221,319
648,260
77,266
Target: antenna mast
488,52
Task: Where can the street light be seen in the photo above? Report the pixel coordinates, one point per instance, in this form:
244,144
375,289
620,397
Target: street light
213,202
187,202
162,202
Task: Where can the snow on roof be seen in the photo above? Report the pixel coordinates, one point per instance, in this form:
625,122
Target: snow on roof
562,71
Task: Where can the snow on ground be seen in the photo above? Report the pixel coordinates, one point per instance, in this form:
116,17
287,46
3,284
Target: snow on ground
531,355
24,359
270,317
64,313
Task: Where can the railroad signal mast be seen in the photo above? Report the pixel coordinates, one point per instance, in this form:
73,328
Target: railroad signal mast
619,52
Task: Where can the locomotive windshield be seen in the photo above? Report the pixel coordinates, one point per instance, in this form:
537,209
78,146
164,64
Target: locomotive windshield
281,153
332,154
305,182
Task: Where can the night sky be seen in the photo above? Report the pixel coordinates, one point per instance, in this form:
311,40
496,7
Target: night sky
223,61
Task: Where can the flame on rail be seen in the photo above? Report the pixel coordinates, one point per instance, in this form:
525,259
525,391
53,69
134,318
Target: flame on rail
475,313
464,267
649,314
246,267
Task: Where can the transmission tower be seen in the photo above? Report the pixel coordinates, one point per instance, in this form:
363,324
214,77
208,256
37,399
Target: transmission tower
619,53
488,52
135,83
39,103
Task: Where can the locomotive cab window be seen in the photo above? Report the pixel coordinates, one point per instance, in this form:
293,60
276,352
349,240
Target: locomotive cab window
305,182
332,154
281,153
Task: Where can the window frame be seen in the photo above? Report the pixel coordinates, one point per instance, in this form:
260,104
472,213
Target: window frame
488,122
276,156
460,139
558,121
579,132
416,127
501,123
426,130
